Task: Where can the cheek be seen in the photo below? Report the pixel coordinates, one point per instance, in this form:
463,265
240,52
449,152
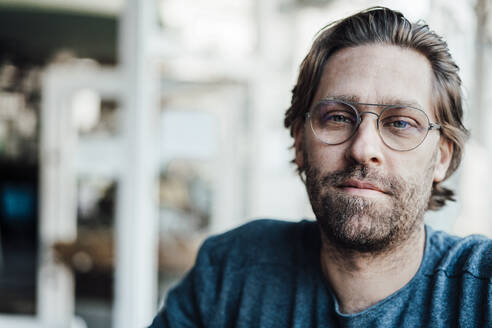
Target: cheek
414,168
404,170
324,157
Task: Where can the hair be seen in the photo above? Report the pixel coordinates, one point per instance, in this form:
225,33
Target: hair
379,25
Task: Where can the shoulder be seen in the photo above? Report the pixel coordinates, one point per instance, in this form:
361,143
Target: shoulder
260,241
234,269
456,256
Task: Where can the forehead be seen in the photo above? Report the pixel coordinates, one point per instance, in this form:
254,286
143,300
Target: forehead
378,73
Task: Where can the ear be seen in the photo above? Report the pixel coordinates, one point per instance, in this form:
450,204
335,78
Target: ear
298,144
443,159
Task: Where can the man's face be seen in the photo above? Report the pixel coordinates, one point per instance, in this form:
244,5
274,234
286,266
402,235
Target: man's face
366,196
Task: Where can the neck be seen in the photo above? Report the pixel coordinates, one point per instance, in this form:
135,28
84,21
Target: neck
360,280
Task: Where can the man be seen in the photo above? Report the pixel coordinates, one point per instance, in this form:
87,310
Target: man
376,117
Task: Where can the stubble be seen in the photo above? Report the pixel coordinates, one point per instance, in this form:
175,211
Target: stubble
358,224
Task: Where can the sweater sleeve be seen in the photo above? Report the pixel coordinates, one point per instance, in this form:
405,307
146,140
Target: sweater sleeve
184,304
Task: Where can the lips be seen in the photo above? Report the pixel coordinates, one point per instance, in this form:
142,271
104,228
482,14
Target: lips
352,183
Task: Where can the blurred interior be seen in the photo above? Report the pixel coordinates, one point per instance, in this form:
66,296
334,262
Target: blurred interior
132,130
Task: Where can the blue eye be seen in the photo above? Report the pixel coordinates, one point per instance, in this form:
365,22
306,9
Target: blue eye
400,124
334,116
339,118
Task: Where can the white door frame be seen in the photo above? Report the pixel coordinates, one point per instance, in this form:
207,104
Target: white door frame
58,207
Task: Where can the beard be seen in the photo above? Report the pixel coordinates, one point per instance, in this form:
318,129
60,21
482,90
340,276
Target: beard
366,225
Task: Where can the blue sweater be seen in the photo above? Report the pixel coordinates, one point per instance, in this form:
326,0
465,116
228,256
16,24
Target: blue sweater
267,274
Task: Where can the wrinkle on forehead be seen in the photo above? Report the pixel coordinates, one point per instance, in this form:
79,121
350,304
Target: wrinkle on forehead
382,101
378,73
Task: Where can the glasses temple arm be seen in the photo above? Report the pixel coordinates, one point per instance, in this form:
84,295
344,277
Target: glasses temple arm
434,126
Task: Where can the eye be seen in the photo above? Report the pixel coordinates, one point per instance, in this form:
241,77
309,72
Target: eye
400,119
399,124
334,115
339,118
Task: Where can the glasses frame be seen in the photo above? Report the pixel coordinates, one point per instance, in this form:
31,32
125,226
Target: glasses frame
431,125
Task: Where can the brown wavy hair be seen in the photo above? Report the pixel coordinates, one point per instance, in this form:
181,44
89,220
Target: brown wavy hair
379,25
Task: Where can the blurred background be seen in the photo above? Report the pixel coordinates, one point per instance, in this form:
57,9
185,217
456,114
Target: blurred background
132,130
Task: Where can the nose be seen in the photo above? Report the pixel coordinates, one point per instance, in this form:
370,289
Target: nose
366,145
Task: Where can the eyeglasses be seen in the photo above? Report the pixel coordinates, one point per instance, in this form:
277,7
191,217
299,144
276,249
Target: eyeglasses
400,127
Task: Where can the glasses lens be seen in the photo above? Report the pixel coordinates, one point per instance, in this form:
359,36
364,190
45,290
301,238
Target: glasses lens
333,122
403,128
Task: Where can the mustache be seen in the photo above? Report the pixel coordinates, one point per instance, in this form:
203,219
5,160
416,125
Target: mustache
388,184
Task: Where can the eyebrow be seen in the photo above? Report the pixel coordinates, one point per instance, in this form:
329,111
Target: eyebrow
383,101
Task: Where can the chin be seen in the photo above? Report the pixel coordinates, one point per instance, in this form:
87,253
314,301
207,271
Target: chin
351,221
360,233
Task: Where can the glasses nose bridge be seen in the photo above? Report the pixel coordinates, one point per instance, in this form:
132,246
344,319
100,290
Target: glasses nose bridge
361,113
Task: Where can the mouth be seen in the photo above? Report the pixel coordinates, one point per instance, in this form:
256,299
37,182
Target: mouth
361,188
